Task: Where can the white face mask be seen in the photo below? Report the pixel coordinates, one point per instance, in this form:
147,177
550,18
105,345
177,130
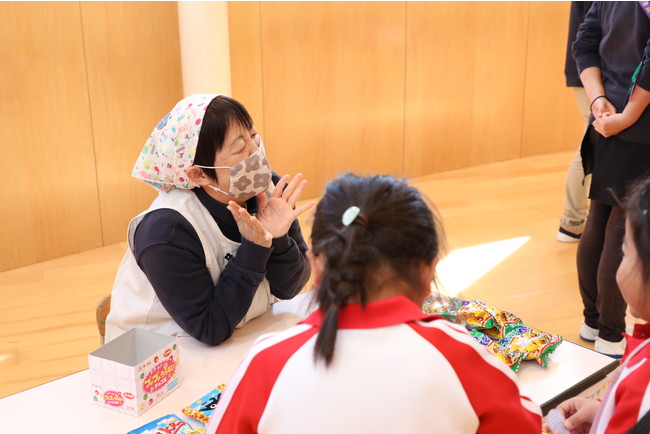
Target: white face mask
248,178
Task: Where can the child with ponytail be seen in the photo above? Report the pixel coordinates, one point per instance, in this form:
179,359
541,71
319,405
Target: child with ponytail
625,408
368,360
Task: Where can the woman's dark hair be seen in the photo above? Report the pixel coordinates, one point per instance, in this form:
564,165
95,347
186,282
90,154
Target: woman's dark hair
220,114
637,205
395,233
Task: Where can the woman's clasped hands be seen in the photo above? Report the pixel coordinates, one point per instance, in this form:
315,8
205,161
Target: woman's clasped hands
611,124
607,122
275,214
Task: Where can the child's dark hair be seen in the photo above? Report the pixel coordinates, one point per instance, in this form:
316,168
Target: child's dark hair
220,114
637,205
395,233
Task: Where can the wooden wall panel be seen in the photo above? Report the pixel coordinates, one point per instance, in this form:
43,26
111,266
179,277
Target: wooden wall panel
134,76
465,69
49,191
333,80
403,87
244,25
551,121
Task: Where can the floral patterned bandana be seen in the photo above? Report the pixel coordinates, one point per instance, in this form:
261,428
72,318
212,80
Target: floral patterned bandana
172,145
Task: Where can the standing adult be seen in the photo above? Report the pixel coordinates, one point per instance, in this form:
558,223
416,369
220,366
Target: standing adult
612,51
576,202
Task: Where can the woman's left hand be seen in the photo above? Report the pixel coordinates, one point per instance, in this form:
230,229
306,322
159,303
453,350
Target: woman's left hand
277,213
610,125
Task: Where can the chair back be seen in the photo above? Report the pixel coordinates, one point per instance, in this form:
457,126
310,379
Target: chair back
103,308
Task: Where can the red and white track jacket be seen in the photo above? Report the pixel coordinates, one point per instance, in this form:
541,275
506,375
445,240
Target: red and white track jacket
628,398
395,370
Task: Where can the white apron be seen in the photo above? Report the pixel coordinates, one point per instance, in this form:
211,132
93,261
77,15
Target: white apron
134,302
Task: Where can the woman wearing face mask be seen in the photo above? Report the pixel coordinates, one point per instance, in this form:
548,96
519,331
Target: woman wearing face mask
220,241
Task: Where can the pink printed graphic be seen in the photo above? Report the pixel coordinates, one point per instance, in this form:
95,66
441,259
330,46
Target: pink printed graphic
113,398
159,376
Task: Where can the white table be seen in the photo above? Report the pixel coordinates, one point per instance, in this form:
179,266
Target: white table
66,405
571,370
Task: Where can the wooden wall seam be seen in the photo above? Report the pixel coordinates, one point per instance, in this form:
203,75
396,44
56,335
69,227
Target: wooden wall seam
523,99
90,111
469,95
82,86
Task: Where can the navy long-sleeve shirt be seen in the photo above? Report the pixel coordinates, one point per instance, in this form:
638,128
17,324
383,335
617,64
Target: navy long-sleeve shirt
577,15
168,250
615,37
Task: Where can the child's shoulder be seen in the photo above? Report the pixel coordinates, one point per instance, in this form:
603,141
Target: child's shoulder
633,343
635,372
443,334
289,339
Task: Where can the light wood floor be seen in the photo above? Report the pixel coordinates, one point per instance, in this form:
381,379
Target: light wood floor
47,315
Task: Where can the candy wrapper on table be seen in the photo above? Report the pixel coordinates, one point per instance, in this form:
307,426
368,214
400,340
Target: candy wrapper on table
202,408
134,371
532,343
511,358
473,314
503,333
170,424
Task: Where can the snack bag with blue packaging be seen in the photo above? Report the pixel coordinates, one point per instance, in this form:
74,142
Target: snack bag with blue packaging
169,424
202,408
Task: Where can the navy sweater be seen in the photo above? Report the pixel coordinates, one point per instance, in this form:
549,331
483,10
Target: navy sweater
168,250
577,15
615,36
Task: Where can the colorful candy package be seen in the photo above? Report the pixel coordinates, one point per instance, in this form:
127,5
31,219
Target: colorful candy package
202,408
511,358
477,315
536,344
502,332
474,314
444,306
170,424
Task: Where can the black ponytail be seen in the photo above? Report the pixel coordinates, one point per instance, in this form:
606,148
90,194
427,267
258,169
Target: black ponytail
394,230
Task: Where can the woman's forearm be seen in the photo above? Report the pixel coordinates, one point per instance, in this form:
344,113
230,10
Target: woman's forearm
637,103
592,81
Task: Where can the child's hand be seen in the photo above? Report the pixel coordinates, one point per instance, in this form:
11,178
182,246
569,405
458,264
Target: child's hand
277,214
610,125
579,414
555,423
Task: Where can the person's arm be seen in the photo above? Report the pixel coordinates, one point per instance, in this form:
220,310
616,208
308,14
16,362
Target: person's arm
636,104
288,269
490,385
632,390
593,83
610,125
247,393
175,267
586,53
579,413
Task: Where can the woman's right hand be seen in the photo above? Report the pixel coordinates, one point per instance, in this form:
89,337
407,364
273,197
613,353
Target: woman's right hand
249,227
579,413
602,107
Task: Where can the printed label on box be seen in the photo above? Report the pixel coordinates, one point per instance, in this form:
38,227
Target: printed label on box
134,371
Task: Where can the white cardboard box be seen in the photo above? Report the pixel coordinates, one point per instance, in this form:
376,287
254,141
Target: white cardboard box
134,371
